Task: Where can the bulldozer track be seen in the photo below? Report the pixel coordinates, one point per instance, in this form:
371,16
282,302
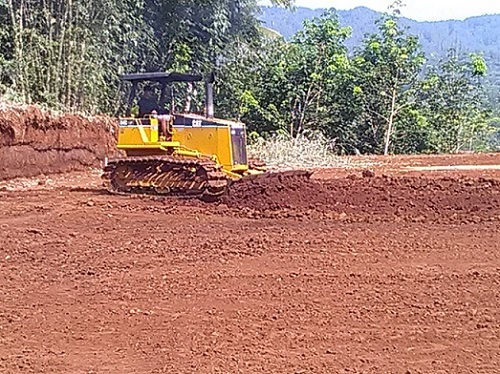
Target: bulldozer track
166,175
179,177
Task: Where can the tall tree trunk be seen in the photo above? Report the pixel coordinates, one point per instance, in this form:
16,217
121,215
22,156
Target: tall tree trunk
18,29
58,85
300,127
390,124
458,144
71,43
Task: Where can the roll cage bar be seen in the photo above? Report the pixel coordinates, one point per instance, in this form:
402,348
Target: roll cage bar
165,79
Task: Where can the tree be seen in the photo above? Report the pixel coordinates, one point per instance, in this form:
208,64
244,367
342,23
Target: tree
317,57
292,86
67,53
455,103
389,64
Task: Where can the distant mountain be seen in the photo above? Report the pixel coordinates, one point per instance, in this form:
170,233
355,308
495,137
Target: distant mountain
476,34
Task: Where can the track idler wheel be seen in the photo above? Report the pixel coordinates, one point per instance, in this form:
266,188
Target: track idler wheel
162,190
118,178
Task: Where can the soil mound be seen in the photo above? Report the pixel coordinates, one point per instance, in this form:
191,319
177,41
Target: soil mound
414,198
287,191
34,142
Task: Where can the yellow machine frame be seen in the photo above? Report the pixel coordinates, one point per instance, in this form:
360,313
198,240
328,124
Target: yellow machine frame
199,139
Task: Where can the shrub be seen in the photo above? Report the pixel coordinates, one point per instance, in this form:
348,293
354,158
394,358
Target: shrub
308,150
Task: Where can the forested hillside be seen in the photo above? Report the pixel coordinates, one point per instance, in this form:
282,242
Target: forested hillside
377,93
475,34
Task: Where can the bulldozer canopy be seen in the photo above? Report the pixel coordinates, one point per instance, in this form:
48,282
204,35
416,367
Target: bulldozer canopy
161,77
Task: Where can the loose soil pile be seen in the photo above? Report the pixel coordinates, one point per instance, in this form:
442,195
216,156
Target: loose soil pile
415,198
34,142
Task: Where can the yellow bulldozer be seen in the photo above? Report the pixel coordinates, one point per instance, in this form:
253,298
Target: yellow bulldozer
177,153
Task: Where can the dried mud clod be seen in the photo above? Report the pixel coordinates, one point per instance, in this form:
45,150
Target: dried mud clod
368,173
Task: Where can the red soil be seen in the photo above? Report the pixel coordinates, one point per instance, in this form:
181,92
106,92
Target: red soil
353,275
338,274
361,198
34,142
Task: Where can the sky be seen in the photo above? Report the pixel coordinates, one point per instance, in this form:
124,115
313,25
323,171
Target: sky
420,10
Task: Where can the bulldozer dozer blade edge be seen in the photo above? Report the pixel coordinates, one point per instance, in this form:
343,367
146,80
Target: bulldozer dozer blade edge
304,174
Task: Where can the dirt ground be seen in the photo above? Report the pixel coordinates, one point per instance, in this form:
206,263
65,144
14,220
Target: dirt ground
357,271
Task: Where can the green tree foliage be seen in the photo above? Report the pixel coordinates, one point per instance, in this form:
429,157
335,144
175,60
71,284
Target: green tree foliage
67,52
388,64
317,58
376,98
455,105
304,84
476,34
194,34
6,48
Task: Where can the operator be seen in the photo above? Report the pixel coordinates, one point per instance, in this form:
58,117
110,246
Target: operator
148,104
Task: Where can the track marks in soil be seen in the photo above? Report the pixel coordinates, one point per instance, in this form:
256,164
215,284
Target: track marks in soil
144,285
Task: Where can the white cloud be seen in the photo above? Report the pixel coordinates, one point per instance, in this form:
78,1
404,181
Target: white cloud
421,10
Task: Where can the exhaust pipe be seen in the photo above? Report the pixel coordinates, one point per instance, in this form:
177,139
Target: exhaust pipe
209,96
